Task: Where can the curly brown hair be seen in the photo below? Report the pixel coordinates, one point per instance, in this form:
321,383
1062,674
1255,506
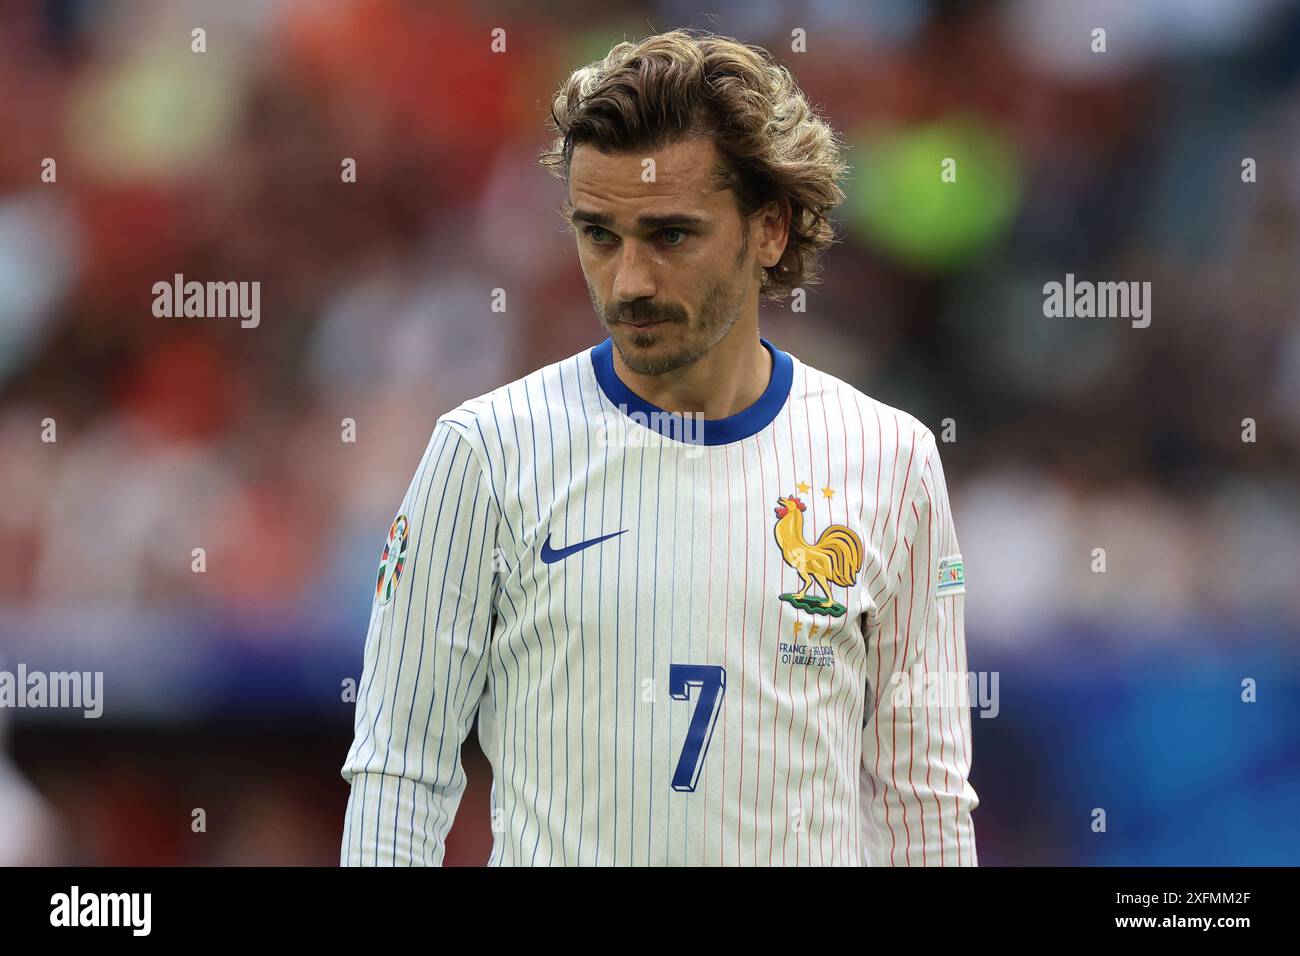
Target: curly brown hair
643,96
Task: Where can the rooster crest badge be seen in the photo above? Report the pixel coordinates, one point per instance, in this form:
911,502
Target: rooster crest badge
836,558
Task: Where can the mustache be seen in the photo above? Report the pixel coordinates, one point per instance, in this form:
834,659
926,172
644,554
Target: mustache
643,312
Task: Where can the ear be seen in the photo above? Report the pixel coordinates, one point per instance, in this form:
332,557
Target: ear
774,231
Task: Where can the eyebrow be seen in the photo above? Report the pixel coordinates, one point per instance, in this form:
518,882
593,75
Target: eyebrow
662,221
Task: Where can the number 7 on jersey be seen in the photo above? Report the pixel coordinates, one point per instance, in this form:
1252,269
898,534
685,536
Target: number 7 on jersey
711,681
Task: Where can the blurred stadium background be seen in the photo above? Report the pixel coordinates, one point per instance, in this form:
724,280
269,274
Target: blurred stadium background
1119,690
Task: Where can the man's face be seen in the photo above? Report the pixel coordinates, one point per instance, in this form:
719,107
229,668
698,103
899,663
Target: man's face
667,262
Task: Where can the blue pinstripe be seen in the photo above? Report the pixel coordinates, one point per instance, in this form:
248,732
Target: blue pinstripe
636,643
455,693
550,751
514,699
654,623
419,663
582,727
568,631
618,666
364,695
401,657
600,662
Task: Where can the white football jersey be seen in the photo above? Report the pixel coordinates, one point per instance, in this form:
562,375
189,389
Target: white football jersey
686,642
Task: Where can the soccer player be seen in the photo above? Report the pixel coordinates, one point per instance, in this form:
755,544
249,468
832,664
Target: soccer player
693,589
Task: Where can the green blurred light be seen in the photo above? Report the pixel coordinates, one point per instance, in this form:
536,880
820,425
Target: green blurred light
152,117
898,202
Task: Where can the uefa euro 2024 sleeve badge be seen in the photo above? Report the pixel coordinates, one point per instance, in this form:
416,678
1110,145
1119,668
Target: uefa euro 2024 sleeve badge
393,560
836,557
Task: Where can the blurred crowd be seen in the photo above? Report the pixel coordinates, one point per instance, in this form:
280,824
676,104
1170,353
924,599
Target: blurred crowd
1071,434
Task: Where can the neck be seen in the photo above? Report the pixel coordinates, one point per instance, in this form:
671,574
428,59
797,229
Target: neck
726,380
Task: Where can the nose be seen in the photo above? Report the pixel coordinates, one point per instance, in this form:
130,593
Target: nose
634,279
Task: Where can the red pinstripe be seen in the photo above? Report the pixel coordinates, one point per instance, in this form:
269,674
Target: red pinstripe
775,717
762,618
893,470
726,614
708,618
893,467
820,711
959,667
925,654
842,697
862,499
771,804
812,519
907,644
945,728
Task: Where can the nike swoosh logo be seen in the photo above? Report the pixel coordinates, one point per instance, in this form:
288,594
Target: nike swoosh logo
551,555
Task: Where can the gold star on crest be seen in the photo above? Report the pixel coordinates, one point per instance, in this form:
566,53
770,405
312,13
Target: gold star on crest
828,492
804,487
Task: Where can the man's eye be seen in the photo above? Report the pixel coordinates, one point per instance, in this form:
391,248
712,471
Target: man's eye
678,232
591,233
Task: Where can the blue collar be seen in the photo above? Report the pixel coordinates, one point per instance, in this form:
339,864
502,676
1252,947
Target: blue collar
717,431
